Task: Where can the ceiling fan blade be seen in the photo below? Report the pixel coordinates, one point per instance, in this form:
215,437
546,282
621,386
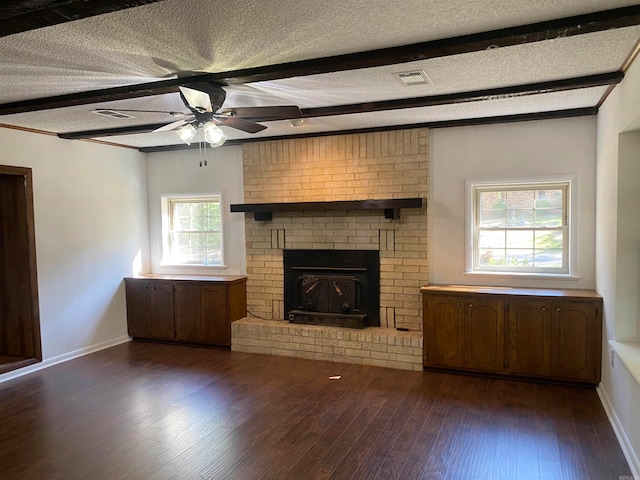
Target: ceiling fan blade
265,114
238,123
197,100
173,114
172,125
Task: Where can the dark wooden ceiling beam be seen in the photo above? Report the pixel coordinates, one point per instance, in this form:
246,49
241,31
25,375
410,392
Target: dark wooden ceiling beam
22,15
564,27
598,80
111,132
433,100
521,117
94,96
505,37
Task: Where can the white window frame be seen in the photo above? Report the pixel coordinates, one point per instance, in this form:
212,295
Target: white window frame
570,228
166,202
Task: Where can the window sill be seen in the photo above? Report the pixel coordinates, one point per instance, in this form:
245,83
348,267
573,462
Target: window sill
629,355
546,276
191,266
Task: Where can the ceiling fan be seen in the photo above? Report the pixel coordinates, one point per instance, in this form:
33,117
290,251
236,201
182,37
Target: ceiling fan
204,101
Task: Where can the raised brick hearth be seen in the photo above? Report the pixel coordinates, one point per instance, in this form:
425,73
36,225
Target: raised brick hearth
383,347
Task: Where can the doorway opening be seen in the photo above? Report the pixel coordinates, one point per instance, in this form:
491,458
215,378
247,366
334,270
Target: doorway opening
20,342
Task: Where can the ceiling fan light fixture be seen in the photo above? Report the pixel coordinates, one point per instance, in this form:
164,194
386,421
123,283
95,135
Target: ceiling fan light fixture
213,135
187,133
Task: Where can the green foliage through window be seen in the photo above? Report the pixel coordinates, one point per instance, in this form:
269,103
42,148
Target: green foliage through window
521,228
195,231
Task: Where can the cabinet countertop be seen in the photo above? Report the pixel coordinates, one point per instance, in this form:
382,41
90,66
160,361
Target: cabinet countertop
196,278
513,291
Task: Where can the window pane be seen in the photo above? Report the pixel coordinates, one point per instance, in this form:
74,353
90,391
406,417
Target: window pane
491,239
213,222
492,209
181,209
520,199
197,223
520,257
549,258
520,238
549,198
492,200
550,217
493,218
181,223
181,239
213,249
549,239
519,218
490,257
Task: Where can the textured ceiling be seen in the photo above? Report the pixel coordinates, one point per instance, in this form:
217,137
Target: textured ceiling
182,37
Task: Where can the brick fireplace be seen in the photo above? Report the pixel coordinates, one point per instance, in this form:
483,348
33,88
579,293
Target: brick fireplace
381,165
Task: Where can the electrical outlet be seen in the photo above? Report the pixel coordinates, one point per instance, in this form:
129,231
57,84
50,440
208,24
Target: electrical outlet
612,357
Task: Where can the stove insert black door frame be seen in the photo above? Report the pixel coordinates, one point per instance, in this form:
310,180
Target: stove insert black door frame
363,264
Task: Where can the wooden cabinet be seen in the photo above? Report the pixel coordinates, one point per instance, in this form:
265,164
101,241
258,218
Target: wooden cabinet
185,309
466,332
484,334
201,312
150,309
576,330
529,328
548,334
444,331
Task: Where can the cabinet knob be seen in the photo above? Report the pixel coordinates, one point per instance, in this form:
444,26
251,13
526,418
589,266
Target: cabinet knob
471,305
153,288
202,290
544,309
195,289
457,304
557,309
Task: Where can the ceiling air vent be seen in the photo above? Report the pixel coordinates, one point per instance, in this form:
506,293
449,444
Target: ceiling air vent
111,113
417,77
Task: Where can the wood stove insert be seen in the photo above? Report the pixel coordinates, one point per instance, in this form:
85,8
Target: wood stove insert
332,287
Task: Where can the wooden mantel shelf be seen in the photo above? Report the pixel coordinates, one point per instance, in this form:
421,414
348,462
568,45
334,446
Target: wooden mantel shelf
391,207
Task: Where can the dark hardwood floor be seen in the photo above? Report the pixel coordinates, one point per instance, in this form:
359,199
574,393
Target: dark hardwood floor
155,411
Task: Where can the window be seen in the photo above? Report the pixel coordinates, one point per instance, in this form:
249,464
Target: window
193,233
521,228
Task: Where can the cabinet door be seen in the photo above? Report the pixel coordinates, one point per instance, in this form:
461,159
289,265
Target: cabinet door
215,326
529,337
201,314
161,310
443,331
484,334
188,311
576,341
138,309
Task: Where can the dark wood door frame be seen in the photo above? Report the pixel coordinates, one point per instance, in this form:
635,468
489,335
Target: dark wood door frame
20,340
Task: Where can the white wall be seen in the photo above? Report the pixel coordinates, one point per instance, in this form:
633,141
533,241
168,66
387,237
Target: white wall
618,201
90,225
179,173
509,152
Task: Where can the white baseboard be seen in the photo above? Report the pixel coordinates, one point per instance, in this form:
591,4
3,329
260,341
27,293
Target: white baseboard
49,362
627,448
